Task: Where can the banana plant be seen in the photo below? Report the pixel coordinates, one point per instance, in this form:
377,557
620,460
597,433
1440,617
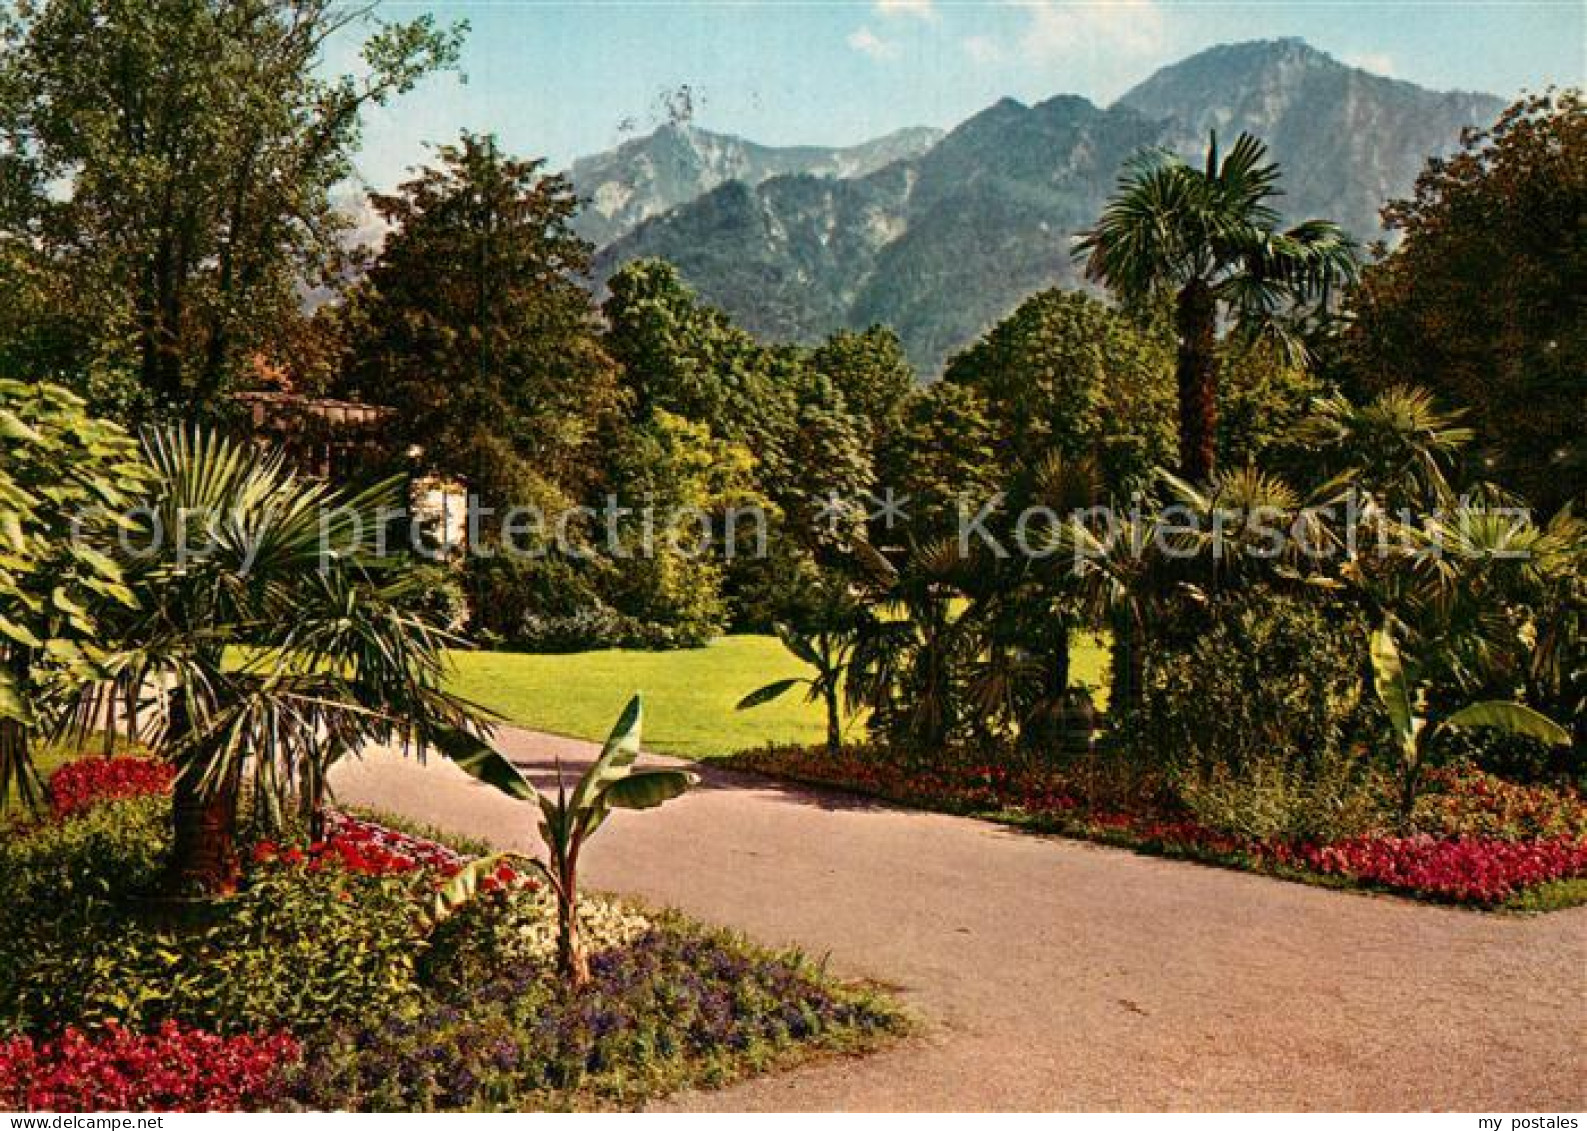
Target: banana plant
828,651
1393,678
567,821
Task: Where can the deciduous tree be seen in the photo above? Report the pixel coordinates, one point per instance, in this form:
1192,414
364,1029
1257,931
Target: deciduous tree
171,164
1482,301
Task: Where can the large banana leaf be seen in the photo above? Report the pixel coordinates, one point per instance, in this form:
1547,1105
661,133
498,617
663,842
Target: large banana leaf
477,758
1391,684
617,756
768,693
648,788
799,644
642,789
1510,717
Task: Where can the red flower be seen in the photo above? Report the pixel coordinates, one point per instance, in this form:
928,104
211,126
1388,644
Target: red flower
78,786
173,1069
364,848
1462,869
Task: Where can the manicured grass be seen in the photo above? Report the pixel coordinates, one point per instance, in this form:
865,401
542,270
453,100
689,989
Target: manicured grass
689,695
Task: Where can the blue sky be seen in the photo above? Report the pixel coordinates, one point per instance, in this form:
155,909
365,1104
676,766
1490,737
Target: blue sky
558,80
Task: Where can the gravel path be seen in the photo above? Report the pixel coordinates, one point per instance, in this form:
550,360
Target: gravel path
1053,974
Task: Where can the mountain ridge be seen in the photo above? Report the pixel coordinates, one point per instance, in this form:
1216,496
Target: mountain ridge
942,243
679,162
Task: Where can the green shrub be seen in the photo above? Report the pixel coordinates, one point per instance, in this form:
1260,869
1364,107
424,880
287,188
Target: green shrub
1255,707
1269,800
82,943
552,605
91,858
439,596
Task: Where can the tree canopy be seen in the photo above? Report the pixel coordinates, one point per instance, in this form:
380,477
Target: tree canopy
1484,299
168,169
474,323
1066,374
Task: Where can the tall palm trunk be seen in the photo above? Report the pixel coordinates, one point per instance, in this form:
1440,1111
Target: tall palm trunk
204,843
1046,726
17,776
1196,319
1128,661
204,822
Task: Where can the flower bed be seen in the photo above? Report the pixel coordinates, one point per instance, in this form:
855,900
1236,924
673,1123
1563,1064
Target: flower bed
677,1006
1488,841
321,984
171,1069
80,785
1465,869
1465,801
365,848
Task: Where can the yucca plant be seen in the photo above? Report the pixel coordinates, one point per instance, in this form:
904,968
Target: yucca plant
567,821
1416,727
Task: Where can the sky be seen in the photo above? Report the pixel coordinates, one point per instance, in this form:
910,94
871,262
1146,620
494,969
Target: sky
558,80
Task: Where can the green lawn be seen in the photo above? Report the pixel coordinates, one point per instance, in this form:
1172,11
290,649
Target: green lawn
689,695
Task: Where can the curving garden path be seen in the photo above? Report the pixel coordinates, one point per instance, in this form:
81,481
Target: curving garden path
1050,973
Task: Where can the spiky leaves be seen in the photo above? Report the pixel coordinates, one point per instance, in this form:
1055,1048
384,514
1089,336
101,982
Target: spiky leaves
278,633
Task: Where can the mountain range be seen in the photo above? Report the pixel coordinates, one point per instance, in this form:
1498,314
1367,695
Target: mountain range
680,162
940,235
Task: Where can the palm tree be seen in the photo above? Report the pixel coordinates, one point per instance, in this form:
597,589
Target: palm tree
1209,240
278,635
910,655
1399,446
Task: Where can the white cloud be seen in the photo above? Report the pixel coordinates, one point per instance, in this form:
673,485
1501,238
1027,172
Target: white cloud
867,42
918,9
1059,29
983,49
1063,30
1378,62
